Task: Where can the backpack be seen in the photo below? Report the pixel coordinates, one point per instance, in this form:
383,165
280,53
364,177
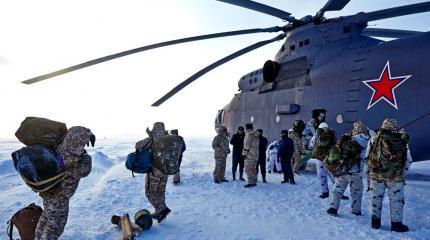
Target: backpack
139,161
166,152
388,153
344,155
25,220
40,168
326,138
34,130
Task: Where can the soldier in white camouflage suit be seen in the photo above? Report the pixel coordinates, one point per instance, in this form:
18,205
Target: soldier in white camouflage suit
77,165
388,176
250,153
220,144
155,181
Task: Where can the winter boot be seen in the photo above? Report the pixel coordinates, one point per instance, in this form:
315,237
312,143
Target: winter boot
292,182
241,178
285,181
332,212
224,180
376,223
357,213
163,214
264,180
250,185
399,227
176,182
324,195
344,197
234,176
217,181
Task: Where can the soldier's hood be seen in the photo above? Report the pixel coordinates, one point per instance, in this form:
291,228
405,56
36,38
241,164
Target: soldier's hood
389,124
76,139
359,128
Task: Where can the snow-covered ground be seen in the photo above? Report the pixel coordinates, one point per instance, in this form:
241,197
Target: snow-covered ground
204,210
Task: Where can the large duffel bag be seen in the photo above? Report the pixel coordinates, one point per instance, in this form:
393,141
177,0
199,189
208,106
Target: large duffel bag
139,161
34,130
166,151
25,220
40,168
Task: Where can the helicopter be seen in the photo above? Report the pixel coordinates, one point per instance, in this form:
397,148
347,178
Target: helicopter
333,69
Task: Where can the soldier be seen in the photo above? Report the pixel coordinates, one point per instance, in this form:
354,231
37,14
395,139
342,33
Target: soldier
262,154
309,132
155,181
387,166
285,152
250,154
345,158
77,165
272,157
321,143
177,176
237,142
297,137
360,133
220,145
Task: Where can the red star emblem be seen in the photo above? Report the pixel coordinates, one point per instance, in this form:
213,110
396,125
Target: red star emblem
383,87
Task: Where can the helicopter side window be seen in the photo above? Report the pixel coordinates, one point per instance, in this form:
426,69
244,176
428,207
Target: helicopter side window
293,47
301,44
294,73
307,41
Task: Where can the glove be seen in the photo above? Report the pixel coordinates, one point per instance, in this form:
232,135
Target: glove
93,140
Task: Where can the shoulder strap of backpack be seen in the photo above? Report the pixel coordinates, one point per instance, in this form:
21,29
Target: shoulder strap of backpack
10,229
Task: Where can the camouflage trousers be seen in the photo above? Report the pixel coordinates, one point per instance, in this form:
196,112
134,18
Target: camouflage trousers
295,161
177,177
395,195
220,165
322,176
155,189
355,182
54,218
251,174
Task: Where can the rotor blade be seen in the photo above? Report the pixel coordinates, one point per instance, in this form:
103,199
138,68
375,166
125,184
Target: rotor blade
213,66
388,33
399,11
149,47
334,5
261,8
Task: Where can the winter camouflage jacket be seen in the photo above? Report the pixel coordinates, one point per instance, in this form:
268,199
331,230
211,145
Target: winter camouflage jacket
220,145
77,163
251,145
298,148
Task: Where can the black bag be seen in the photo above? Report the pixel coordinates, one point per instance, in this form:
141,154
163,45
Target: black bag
25,220
34,130
40,168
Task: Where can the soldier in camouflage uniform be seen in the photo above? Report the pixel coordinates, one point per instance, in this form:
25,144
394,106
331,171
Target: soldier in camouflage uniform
297,137
177,176
392,178
155,181
77,165
221,148
250,154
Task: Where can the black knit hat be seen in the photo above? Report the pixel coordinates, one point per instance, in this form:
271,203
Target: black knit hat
284,132
240,128
260,131
249,126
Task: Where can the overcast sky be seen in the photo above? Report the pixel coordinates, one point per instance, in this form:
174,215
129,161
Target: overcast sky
114,98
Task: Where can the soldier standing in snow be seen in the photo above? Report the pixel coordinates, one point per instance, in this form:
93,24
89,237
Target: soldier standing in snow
360,133
177,176
220,145
321,143
77,165
296,136
250,154
237,142
309,132
285,153
272,157
343,161
262,154
387,166
155,181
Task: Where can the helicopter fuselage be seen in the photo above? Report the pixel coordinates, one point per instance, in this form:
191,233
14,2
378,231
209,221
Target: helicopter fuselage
332,67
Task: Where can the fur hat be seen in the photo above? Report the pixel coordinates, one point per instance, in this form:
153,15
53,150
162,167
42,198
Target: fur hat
389,124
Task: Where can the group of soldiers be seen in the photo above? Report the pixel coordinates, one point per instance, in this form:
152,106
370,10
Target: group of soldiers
250,153
381,156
